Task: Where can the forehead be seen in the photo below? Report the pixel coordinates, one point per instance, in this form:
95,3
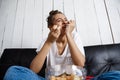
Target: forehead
57,16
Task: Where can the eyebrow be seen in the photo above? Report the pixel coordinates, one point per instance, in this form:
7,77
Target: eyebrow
61,19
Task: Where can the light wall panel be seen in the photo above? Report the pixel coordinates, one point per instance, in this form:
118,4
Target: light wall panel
103,23
37,23
114,17
8,22
19,24
47,7
23,22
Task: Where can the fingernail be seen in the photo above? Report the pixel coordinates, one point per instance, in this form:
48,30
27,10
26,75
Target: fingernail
58,27
55,26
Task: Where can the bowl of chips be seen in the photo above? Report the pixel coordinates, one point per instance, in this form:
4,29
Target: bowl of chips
65,72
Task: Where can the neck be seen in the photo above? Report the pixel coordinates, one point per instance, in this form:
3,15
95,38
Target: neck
61,44
62,39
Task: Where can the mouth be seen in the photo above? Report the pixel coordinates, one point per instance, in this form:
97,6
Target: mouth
64,26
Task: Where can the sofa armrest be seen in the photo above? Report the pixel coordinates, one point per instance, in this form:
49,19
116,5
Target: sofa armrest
102,58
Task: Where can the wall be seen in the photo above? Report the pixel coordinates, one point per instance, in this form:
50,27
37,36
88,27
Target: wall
23,22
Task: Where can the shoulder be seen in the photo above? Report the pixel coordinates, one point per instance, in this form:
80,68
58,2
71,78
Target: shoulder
41,44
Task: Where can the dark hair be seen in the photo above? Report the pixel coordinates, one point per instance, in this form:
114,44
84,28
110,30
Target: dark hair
51,16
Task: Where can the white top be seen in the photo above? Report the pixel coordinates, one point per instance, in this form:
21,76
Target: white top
53,58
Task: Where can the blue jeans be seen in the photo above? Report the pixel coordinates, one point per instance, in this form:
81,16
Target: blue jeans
111,75
21,73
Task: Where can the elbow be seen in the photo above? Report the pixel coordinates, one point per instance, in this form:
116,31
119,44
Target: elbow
34,69
81,63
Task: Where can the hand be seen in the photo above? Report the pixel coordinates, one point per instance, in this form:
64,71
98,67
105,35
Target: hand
55,32
70,26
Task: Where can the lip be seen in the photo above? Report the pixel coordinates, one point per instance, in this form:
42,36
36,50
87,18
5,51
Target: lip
64,26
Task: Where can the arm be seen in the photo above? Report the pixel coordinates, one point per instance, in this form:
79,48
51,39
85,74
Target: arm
38,61
77,56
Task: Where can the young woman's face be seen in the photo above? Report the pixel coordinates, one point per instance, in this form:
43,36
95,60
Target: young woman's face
60,20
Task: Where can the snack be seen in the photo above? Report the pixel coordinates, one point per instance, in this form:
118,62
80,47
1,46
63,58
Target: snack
66,77
65,72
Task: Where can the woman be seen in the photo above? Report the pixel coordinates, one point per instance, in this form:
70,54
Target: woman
62,46
61,43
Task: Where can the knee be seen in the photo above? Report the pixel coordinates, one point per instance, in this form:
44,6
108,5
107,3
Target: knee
11,68
11,73
16,73
14,68
18,69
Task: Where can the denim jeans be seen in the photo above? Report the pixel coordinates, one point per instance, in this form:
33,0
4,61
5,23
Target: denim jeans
111,75
21,73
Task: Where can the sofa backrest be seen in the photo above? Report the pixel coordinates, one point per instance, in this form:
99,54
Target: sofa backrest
18,56
102,58
99,59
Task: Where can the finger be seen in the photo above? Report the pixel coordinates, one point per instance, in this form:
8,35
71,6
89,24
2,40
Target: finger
54,27
58,28
55,33
71,21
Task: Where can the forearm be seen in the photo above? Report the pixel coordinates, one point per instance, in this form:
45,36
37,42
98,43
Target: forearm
38,61
77,57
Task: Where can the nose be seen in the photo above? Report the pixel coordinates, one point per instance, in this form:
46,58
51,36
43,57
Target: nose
65,22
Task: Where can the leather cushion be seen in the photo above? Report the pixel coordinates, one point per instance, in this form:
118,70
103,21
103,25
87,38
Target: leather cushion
18,56
102,58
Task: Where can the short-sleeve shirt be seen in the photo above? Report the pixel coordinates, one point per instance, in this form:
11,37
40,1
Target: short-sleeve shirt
53,58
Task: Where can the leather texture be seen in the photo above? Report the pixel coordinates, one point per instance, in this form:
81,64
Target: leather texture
18,56
102,58
99,59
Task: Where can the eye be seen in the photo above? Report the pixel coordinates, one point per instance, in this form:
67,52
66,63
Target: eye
66,20
59,20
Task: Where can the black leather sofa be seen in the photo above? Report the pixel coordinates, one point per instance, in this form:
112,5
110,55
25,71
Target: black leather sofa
99,59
